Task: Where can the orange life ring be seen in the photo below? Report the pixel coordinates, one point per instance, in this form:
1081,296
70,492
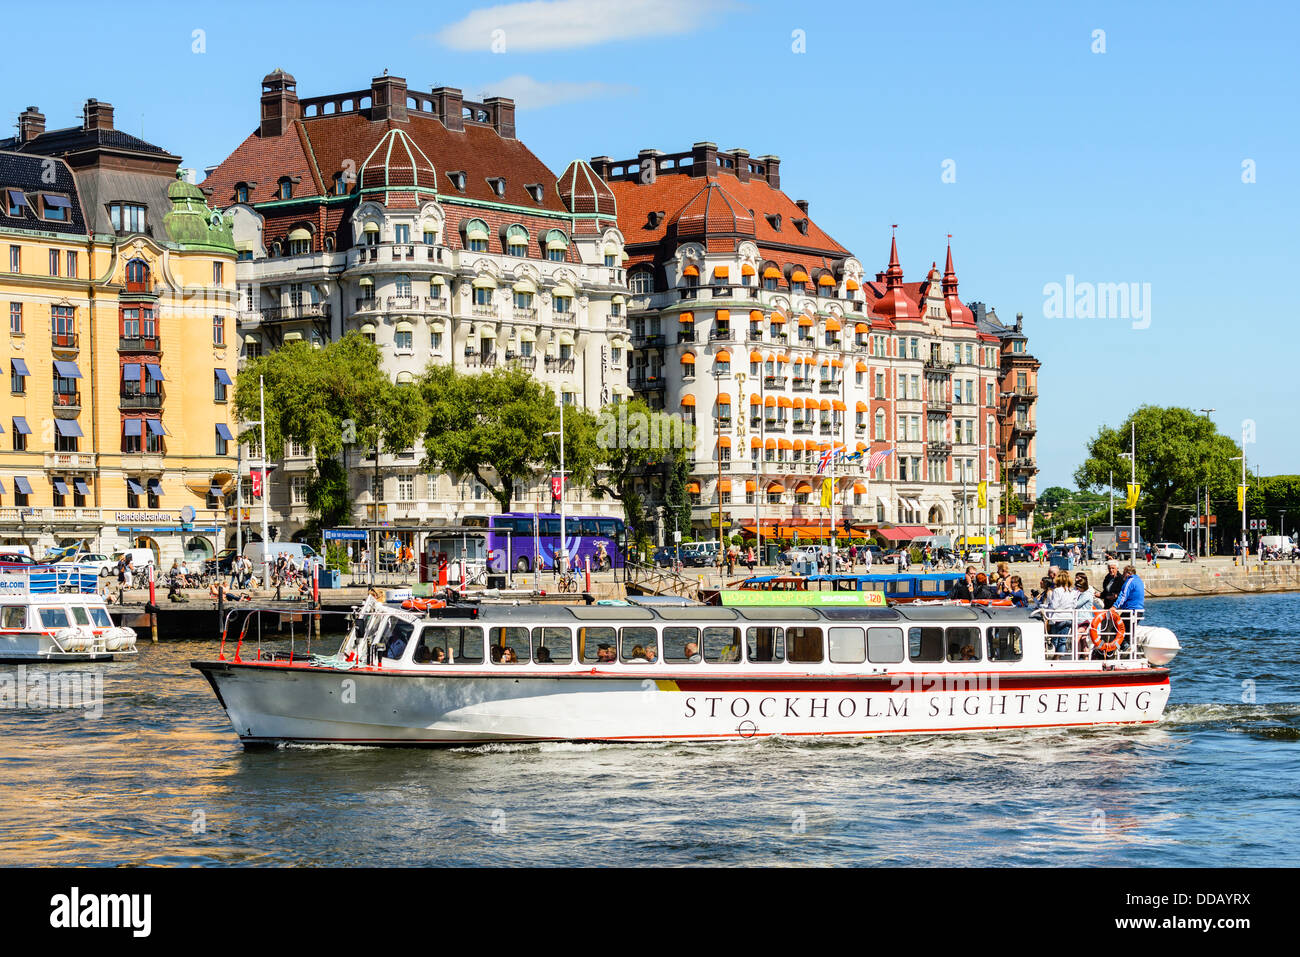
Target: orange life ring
423,604
1106,647
996,602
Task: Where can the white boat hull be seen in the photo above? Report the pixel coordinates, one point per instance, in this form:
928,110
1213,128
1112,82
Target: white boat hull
274,702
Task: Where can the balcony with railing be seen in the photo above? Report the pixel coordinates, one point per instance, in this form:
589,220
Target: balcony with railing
64,342
483,311
292,313
556,364
1023,426
522,362
416,303
70,461
801,385
1021,463
567,316
140,400
938,406
938,366
774,381
524,313
67,401
803,428
641,383
398,253
830,385
138,344
648,342
687,335
720,335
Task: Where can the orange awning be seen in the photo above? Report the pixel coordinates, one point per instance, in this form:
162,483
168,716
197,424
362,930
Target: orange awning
688,401
747,270
770,444
690,271
784,403
860,367
784,443
722,272
724,398
755,315
724,485
751,485
722,315
798,445
686,317
693,488
805,321
771,272
826,405
826,363
754,399
862,446
802,487
797,403
778,318
755,443
851,285
798,276
770,402
723,356
833,325
838,406
859,488
724,441
782,359
756,356
837,363
861,327
826,280
775,487
688,358
862,406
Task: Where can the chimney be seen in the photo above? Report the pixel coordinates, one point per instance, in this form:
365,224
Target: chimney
97,116
803,205
742,164
601,166
388,98
279,103
704,159
502,111
773,166
449,107
31,124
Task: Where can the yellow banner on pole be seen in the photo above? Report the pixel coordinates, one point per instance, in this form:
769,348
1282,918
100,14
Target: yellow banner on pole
984,495
826,493
1133,492
1241,498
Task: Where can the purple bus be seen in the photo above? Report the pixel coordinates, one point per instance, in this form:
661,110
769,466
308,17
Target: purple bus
520,540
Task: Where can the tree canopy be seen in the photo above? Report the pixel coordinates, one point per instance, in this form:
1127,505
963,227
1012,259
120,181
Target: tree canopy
1177,451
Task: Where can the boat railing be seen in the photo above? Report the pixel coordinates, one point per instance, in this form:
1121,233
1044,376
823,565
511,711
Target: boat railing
1087,634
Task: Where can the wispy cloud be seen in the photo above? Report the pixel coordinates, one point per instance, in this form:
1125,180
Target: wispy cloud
571,24
530,93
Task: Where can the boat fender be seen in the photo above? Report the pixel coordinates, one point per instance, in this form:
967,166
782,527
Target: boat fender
1106,647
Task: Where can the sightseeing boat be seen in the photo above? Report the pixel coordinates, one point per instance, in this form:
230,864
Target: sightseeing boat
532,672
59,627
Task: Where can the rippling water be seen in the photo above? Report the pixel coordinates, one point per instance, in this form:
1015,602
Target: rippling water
161,779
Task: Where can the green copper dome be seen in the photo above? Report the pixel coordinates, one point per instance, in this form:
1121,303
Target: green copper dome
191,223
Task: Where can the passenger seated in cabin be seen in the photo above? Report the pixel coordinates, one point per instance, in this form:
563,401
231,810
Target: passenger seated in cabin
692,651
651,653
605,654
508,657
495,654
543,655
954,651
438,656
638,654
968,653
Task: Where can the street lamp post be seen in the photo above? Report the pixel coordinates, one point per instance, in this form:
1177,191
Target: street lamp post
564,547
1206,534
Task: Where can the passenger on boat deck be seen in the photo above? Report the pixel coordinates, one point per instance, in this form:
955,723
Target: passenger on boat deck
508,657
1132,595
1015,590
638,654
1085,596
692,652
543,656
605,654
1060,612
1002,574
1112,583
495,654
968,653
983,590
964,590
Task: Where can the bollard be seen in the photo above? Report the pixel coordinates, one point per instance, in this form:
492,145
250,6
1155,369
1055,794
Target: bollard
587,573
153,615
315,597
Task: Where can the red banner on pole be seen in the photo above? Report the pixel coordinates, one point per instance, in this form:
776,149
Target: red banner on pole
557,486
256,476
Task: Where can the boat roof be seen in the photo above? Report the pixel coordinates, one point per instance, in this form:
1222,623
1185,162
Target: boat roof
544,613
919,576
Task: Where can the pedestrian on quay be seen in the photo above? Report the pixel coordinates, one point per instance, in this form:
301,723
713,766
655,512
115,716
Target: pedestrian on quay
904,560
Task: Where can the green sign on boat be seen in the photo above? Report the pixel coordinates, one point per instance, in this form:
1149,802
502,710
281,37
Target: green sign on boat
852,599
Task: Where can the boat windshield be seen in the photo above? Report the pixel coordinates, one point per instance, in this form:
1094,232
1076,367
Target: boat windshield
101,618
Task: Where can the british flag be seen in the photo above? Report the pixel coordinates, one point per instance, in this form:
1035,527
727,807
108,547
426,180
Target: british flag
825,460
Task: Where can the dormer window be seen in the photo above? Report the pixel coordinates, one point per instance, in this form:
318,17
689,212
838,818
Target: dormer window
241,192
340,185
56,208
535,191
517,241
498,185
285,190
457,178
774,220
127,217
801,225
16,203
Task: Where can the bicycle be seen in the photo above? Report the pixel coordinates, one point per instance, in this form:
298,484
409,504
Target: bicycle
568,582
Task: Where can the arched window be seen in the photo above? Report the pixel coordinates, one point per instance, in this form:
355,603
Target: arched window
880,425
137,275
641,282
556,245
475,234
516,241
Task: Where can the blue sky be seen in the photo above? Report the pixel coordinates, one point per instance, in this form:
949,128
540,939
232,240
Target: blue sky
1122,166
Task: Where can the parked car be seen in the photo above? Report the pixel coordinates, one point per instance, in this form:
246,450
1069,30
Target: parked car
663,556
303,555
16,560
1170,550
102,565
220,565
1011,553
891,557
878,554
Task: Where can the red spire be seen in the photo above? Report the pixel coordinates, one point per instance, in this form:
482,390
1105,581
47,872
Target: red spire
894,274
894,304
956,311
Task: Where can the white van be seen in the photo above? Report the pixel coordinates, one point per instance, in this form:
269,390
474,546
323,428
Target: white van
1282,543
140,558
303,555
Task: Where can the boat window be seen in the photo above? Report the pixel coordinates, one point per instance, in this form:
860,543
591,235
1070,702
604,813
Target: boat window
597,645
54,618
845,584
1004,644
14,616
902,586
509,646
931,586
80,616
721,645
682,645
766,645
454,644
963,644
399,636
925,644
805,645
552,646
848,646
639,644
101,618
885,645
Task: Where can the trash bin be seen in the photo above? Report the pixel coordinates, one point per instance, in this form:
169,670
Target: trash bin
329,578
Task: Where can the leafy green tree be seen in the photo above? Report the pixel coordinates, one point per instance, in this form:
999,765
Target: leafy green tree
1050,499
1177,450
492,426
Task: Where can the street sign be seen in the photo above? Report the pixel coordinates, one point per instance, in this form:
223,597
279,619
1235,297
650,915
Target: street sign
1194,523
1188,526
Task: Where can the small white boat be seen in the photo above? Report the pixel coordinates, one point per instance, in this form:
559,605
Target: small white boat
59,627
532,672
